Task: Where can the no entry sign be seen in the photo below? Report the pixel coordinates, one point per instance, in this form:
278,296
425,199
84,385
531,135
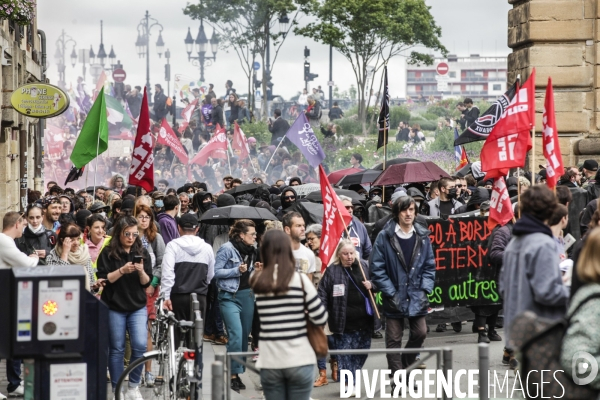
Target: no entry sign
119,75
442,68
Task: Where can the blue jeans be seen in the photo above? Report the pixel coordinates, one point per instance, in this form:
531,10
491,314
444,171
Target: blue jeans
133,322
322,362
237,310
13,374
288,383
227,115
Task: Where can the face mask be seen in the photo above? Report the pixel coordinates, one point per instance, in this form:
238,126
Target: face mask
418,203
103,214
452,193
191,196
159,204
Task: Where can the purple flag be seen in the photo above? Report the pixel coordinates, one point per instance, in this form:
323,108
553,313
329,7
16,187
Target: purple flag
302,135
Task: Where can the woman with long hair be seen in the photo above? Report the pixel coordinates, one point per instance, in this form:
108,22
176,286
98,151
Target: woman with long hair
127,268
153,242
70,250
234,108
234,263
95,236
284,298
117,184
345,294
36,238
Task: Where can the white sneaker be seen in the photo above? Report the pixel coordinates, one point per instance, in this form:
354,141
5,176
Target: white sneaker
133,394
2,397
122,397
18,392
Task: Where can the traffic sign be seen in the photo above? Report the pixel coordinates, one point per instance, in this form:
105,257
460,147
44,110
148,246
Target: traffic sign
442,68
256,65
330,83
442,86
119,75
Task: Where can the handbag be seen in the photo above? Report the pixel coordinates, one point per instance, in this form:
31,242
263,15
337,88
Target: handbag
316,334
368,305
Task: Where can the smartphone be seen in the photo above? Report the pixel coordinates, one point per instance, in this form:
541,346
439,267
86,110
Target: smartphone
137,259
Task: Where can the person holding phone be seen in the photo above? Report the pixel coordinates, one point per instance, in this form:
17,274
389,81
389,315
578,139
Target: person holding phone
126,266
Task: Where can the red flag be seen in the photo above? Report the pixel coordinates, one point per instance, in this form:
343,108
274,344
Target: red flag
503,153
333,225
519,116
167,137
215,148
551,146
141,172
187,112
501,210
464,158
240,142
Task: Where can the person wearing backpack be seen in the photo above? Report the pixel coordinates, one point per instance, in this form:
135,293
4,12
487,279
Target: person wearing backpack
530,279
584,319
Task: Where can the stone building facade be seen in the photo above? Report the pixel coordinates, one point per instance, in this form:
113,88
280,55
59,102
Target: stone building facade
561,39
21,59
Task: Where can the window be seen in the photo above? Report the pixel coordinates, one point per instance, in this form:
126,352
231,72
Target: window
496,87
452,74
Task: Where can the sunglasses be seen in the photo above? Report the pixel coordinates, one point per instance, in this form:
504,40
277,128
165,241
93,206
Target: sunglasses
131,234
349,207
459,186
289,197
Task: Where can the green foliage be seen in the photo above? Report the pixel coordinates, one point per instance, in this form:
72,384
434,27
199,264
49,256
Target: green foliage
430,116
439,110
352,92
258,130
349,126
397,114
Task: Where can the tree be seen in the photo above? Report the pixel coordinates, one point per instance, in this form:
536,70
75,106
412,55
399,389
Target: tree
370,33
247,27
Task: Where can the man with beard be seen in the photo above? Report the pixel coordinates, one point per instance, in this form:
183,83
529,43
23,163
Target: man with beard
52,210
294,227
288,199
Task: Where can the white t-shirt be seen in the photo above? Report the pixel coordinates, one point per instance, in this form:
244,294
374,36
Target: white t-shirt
305,260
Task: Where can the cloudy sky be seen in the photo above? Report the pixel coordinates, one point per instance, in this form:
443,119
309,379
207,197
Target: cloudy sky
467,27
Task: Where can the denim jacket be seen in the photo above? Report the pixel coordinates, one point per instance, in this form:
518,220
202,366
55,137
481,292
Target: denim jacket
227,268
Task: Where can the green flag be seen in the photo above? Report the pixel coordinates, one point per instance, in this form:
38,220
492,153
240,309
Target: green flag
116,114
93,138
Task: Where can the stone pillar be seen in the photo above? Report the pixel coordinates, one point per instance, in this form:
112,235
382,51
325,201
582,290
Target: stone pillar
560,39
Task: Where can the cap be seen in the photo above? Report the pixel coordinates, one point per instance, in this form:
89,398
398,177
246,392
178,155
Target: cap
157,195
511,184
543,174
81,217
251,140
128,204
590,165
98,206
188,221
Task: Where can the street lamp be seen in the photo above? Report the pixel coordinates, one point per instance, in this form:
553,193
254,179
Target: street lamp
284,21
202,60
143,44
97,60
62,43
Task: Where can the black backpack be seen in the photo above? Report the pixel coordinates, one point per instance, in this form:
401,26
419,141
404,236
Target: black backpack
539,342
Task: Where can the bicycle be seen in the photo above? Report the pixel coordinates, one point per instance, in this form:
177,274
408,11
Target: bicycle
167,384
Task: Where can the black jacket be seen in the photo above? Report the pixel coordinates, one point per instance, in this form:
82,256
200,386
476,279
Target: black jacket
216,116
234,113
335,113
315,112
402,135
160,106
278,128
471,115
43,240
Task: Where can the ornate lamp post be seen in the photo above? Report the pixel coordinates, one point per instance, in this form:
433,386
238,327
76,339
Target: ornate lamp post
201,60
142,44
62,43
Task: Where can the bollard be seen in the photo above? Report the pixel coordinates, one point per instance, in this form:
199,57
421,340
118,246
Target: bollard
447,356
218,381
484,367
222,358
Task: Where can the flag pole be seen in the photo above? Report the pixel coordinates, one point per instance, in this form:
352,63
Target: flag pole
228,162
96,167
533,154
385,138
273,155
360,266
518,191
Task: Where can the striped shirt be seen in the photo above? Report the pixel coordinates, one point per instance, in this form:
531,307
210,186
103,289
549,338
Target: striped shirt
283,342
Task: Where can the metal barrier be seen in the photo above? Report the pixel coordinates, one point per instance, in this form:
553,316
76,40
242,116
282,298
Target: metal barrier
221,389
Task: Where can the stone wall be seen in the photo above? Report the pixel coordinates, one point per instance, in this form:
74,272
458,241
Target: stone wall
560,38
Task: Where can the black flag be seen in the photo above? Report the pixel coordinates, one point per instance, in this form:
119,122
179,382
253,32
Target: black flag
384,114
74,174
482,127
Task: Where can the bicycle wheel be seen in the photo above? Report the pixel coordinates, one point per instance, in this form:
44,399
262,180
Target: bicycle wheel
185,389
160,369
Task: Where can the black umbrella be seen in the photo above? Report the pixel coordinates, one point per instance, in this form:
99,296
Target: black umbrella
393,161
464,171
365,176
317,197
312,213
222,216
245,188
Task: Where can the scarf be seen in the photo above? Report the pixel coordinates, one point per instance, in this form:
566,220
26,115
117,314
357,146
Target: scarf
34,230
247,252
79,257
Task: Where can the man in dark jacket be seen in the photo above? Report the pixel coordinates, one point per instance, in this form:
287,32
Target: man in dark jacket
289,197
160,103
166,219
472,112
335,112
403,131
216,114
278,128
403,269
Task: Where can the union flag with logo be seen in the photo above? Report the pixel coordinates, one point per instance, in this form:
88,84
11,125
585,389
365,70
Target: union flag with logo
501,210
551,146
